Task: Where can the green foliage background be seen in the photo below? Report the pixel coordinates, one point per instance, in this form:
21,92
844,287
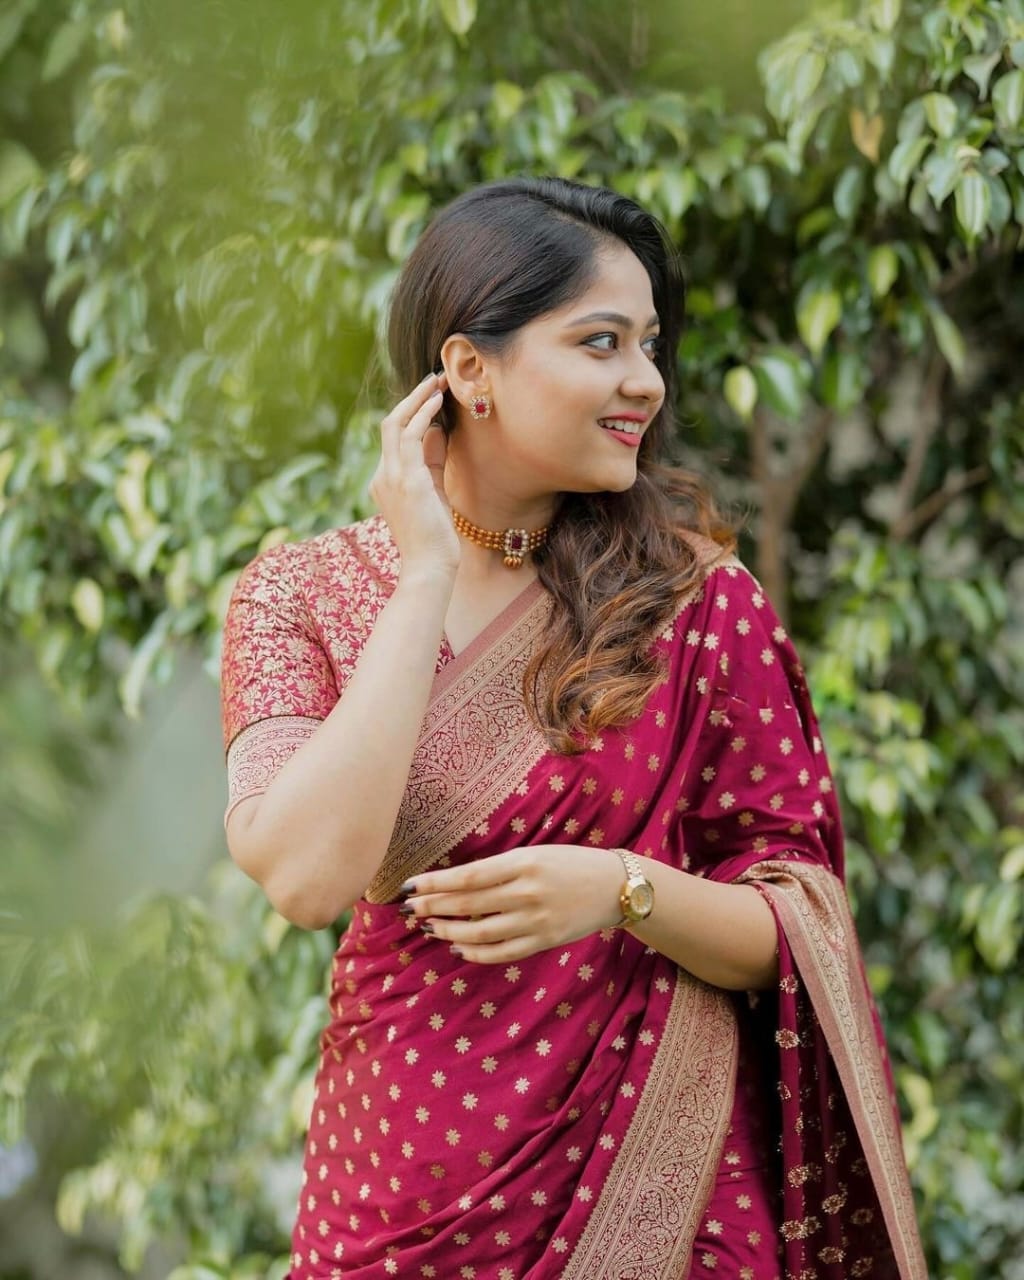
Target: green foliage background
203,207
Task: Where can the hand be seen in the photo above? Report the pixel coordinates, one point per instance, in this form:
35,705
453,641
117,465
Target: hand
515,904
408,485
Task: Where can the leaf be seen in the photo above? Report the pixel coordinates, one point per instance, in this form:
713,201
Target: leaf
460,15
980,67
1012,866
1008,98
883,268
849,192
973,202
818,313
941,112
146,652
755,186
998,933
885,13
18,169
843,380
883,795
740,389
507,99
87,603
866,132
64,48
87,310
905,157
950,341
781,380
678,188
807,73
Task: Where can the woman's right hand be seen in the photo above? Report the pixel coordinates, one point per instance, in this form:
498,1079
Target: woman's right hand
408,485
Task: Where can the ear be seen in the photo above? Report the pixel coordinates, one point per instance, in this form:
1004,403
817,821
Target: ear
466,370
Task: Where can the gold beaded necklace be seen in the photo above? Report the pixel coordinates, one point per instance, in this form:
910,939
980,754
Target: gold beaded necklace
515,543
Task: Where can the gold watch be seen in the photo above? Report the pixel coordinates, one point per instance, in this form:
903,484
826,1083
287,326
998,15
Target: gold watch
636,900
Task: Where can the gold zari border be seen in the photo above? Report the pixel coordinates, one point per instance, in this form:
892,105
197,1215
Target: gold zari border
819,928
649,1211
476,744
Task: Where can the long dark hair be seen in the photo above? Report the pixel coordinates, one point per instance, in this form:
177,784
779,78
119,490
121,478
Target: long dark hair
491,261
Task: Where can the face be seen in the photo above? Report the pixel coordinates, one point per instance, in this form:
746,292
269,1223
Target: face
588,363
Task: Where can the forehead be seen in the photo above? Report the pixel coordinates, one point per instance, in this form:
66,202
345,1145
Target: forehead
620,283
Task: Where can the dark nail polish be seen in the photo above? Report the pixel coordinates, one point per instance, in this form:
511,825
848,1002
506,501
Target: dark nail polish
407,889
406,909
456,951
427,927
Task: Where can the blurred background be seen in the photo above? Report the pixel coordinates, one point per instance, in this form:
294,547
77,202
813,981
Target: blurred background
203,207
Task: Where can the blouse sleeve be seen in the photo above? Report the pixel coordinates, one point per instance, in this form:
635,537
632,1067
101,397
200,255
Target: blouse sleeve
277,684
758,785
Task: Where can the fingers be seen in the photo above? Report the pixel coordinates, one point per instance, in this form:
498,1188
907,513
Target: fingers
418,408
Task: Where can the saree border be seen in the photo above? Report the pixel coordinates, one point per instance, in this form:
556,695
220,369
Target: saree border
649,1211
482,745
259,751
820,931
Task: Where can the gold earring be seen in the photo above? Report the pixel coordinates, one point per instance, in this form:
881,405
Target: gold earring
480,407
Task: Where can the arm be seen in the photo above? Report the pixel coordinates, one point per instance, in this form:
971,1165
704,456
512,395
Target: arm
541,896
314,839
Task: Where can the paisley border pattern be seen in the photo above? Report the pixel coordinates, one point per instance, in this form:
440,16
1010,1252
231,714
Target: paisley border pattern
649,1210
813,908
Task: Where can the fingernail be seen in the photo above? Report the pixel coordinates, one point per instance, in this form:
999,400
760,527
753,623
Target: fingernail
407,889
427,927
406,909
456,951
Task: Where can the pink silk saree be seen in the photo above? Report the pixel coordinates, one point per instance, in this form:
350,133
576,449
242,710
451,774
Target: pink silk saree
593,1112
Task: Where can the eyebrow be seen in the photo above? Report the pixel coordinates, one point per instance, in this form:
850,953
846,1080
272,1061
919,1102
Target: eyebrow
611,317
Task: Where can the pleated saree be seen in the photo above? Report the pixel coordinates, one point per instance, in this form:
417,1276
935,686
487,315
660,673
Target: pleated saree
593,1112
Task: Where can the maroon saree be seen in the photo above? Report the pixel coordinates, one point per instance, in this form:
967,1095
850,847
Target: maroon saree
593,1112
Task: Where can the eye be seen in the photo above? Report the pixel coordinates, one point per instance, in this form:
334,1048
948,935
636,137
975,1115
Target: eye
600,338
653,345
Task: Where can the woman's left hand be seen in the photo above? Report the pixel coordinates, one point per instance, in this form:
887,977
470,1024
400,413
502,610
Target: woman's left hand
513,904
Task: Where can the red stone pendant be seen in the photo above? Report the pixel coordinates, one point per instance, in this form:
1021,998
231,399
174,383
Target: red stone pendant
517,542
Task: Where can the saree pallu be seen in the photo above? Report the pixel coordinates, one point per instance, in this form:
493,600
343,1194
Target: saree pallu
592,1112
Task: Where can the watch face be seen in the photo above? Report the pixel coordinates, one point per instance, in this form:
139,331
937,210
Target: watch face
641,900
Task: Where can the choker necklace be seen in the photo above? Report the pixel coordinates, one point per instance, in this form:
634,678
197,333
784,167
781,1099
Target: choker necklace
515,543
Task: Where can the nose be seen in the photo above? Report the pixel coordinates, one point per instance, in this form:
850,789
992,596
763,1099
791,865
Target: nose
642,379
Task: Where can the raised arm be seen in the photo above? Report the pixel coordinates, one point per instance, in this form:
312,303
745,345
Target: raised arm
315,837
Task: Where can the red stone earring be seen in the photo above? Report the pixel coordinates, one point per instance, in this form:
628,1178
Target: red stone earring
480,407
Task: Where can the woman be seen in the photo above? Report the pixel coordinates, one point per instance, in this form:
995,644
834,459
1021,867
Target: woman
600,1010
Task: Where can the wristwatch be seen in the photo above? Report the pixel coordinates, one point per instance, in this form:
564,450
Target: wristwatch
636,900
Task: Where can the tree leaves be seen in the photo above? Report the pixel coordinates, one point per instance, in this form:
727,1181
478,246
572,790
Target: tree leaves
818,312
459,14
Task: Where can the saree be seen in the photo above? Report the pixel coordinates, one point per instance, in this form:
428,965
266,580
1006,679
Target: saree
593,1112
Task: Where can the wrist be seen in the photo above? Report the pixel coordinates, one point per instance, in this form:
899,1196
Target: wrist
636,895
426,581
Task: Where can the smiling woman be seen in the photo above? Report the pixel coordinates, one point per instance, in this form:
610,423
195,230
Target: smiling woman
650,1053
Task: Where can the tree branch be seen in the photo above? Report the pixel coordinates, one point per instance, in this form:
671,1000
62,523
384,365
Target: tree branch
938,501
778,499
927,422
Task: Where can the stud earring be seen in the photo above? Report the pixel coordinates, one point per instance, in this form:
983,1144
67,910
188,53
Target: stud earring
480,407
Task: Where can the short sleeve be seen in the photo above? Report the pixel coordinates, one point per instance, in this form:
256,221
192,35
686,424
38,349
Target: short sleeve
277,683
759,786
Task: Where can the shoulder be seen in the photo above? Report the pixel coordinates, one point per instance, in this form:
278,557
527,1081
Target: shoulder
328,562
